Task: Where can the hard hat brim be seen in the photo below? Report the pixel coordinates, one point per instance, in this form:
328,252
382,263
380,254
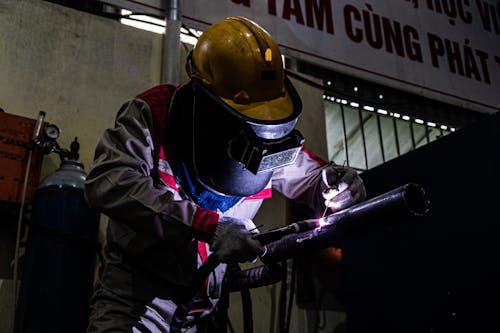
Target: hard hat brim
277,109
280,109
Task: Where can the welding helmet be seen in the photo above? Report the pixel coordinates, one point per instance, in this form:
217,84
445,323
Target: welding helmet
244,109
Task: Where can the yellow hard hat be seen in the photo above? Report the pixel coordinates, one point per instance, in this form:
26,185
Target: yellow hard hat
239,61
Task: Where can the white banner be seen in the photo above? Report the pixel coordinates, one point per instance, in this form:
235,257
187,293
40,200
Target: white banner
443,49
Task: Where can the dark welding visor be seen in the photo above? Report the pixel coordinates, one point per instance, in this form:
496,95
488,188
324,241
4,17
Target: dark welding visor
260,145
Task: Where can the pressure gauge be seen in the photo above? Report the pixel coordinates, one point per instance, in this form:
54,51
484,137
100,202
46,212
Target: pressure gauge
52,132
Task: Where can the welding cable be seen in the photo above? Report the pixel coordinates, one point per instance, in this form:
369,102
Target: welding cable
195,286
292,292
282,303
237,282
246,301
36,134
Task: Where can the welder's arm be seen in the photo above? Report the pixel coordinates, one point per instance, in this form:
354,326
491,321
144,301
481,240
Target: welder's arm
309,177
121,186
306,181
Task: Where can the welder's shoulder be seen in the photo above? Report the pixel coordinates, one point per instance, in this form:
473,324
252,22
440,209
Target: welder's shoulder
158,96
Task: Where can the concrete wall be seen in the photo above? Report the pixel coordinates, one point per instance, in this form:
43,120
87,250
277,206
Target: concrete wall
76,67
79,69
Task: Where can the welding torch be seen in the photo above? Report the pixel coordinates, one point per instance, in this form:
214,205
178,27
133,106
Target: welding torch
297,227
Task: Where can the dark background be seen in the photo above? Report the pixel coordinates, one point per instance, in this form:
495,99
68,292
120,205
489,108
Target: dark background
440,272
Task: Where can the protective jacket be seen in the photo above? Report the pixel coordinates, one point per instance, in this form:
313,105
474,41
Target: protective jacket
155,234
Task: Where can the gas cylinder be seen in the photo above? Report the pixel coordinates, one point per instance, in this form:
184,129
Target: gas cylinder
58,268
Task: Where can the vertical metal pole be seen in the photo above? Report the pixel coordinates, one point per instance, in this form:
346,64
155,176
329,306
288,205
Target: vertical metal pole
380,138
344,132
171,43
396,136
412,132
362,126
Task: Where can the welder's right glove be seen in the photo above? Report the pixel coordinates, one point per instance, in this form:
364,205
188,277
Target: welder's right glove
233,242
344,187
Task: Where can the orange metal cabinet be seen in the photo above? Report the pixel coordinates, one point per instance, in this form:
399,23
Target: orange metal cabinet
15,135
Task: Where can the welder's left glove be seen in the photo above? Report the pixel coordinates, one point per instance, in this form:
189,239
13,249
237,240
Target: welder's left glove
342,187
233,241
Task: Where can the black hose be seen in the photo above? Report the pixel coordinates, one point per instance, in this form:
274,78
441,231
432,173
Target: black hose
292,292
255,277
194,288
246,301
282,303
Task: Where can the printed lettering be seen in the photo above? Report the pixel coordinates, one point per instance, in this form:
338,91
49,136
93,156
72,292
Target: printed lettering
393,36
351,13
318,13
245,3
319,10
462,60
436,48
454,57
464,14
490,16
14,142
372,28
292,7
452,8
412,43
271,7
382,33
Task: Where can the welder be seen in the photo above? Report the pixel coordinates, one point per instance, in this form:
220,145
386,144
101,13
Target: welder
185,169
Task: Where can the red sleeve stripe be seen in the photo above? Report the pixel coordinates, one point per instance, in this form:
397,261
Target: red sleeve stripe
205,221
199,310
169,180
318,159
202,250
264,194
165,172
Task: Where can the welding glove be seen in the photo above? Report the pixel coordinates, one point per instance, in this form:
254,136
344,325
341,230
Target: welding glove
342,187
233,242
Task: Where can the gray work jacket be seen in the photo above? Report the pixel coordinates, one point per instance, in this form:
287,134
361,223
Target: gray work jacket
150,224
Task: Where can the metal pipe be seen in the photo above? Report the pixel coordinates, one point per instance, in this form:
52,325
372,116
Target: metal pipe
284,243
171,43
388,208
